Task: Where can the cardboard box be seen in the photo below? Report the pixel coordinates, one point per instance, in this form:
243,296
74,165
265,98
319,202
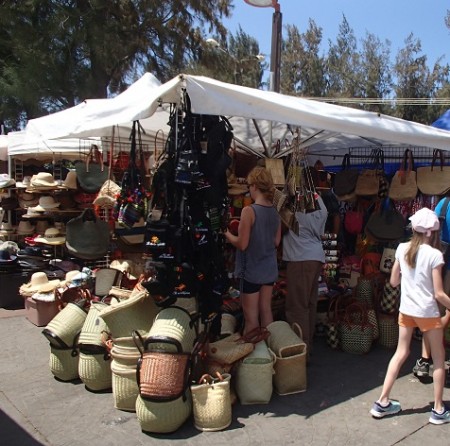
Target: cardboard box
40,313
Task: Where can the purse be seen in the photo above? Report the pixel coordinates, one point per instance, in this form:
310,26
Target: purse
387,260
356,333
386,223
345,180
368,182
87,237
91,174
161,375
390,299
431,180
404,182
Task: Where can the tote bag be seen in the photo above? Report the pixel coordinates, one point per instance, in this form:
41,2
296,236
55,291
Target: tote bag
404,183
434,180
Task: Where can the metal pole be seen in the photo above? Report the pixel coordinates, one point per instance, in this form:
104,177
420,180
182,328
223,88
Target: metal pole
275,52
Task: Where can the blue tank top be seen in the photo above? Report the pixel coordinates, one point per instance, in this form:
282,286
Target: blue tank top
258,263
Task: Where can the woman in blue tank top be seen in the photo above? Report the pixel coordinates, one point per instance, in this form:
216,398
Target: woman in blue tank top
259,234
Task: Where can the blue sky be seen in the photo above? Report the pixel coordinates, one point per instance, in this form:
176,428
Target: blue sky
387,19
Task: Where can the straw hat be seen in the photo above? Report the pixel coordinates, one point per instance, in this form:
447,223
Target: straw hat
73,278
126,266
6,180
25,228
71,180
27,199
31,213
26,182
6,229
51,236
37,281
43,179
46,202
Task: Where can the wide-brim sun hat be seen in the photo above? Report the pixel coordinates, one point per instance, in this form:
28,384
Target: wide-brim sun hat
26,182
25,228
425,221
51,236
6,180
43,179
70,181
38,279
46,202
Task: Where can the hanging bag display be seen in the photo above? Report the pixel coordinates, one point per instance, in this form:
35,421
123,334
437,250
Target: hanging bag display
434,179
404,183
87,237
91,174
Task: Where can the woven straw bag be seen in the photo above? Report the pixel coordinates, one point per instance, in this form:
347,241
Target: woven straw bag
120,293
285,340
94,326
161,375
390,299
211,403
174,323
64,363
356,333
403,185
228,324
95,371
135,313
66,326
254,375
388,330
229,349
124,386
163,417
290,373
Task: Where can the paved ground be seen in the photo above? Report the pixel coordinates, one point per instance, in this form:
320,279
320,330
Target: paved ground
36,409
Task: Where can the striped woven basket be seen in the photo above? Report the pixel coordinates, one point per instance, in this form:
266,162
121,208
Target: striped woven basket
124,387
66,325
163,417
228,324
135,313
64,363
95,371
285,340
254,375
94,326
388,329
175,323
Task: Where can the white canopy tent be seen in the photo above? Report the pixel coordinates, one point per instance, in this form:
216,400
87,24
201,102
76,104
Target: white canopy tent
322,126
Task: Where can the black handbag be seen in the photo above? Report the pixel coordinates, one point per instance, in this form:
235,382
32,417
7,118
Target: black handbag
386,223
93,173
87,237
345,179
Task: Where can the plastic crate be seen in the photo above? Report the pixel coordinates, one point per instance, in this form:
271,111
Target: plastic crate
40,313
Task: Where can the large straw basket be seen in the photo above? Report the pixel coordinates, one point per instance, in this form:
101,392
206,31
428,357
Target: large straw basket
285,340
254,375
64,363
228,324
95,371
124,387
211,403
290,373
66,325
129,359
163,417
135,313
94,326
175,323
388,330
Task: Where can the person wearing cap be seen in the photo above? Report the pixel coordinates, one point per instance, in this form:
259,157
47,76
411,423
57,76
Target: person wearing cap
418,269
259,234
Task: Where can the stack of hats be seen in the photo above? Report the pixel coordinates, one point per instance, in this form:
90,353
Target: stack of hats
25,228
25,183
27,200
46,203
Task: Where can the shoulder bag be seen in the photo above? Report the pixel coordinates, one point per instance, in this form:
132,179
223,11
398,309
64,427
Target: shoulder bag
434,180
91,174
345,179
404,184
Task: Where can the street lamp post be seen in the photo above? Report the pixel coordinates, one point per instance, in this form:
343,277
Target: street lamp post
275,52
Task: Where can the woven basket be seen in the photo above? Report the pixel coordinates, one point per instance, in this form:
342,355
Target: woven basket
228,324
175,323
388,329
64,363
229,350
94,326
290,374
124,386
66,325
135,313
129,359
165,416
211,403
95,371
285,340
120,293
254,375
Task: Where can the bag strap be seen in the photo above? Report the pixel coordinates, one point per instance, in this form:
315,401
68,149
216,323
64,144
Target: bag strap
162,340
437,153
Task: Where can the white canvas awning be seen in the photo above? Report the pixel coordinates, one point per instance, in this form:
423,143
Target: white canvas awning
320,122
